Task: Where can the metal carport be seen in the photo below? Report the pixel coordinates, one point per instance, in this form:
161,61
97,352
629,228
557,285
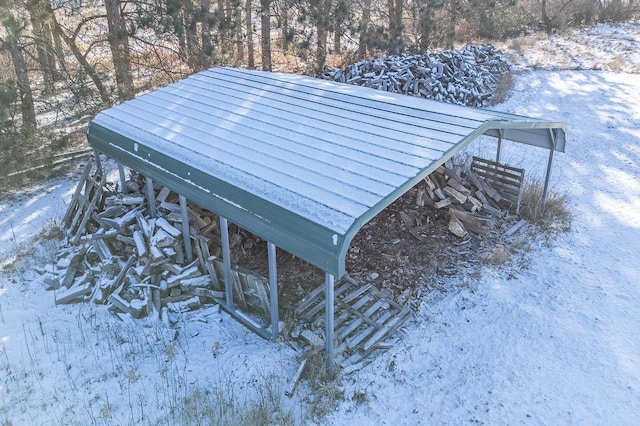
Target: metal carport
303,163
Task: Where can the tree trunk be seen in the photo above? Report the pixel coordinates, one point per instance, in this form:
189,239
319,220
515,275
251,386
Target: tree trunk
206,52
265,19
44,56
237,27
425,26
192,48
119,43
454,5
249,29
546,21
27,108
322,25
58,32
365,22
396,43
174,10
286,32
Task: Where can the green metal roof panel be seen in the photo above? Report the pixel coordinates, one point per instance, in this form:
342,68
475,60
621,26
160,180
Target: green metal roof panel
301,162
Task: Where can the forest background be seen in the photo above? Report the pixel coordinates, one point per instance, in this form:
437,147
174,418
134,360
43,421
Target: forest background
63,61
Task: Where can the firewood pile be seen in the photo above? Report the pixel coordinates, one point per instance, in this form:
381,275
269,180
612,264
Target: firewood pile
137,264
466,77
470,195
118,255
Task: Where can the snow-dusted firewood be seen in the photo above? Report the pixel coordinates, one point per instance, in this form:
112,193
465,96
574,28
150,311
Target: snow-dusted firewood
184,305
168,228
73,294
466,77
141,245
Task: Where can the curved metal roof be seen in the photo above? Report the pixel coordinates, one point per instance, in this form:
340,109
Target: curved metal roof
301,162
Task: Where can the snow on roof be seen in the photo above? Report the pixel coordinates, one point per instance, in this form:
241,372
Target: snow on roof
299,161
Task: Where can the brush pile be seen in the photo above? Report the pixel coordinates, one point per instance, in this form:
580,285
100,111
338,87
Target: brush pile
465,77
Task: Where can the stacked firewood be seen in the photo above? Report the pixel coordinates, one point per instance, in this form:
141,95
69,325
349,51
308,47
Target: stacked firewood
117,254
466,77
474,205
138,264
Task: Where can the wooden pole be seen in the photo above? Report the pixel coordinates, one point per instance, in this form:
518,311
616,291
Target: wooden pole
273,290
226,260
185,228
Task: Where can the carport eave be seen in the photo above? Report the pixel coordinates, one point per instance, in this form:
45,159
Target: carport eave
311,242
542,134
545,133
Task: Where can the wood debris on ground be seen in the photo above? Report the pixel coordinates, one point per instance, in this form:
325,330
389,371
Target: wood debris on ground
465,77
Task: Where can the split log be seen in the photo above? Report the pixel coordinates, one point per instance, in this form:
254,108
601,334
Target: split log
475,224
460,198
141,245
167,227
444,203
191,272
205,292
458,186
456,227
74,293
515,228
184,305
163,195
475,203
296,378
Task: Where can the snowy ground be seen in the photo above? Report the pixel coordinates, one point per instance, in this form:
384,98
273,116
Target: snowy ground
559,343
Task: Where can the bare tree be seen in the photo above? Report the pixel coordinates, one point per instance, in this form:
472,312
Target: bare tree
206,51
453,9
396,41
238,27
364,29
265,20
11,43
44,45
119,43
249,29
70,41
321,17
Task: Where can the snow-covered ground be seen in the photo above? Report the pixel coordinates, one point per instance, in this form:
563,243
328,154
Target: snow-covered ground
558,343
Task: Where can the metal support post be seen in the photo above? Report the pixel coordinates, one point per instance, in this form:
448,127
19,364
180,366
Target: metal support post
151,198
273,290
98,162
543,202
499,149
329,321
185,228
226,260
123,180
